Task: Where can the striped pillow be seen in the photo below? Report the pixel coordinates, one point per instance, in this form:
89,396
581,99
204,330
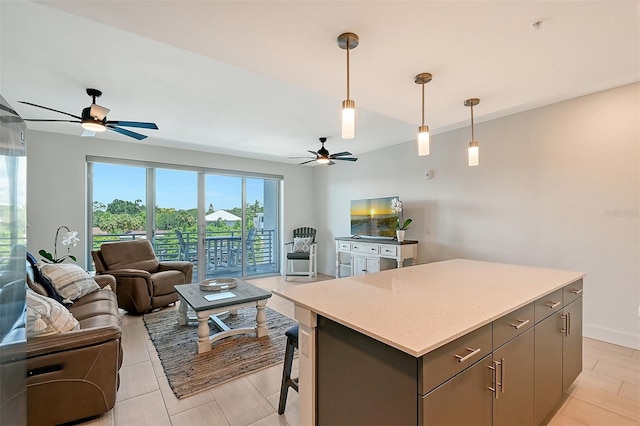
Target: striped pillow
45,316
70,281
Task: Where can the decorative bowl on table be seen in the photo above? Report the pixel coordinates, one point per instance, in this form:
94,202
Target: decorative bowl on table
217,284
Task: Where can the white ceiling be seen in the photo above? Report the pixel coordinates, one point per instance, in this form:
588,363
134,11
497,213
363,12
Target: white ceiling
265,79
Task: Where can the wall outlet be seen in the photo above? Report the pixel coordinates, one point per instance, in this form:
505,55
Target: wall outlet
429,174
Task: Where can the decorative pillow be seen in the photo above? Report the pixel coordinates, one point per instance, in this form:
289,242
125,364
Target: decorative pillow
69,280
46,316
40,279
301,245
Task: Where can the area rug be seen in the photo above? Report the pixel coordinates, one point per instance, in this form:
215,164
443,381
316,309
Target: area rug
189,372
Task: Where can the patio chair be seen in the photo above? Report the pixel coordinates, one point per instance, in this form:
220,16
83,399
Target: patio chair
249,246
188,249
303,247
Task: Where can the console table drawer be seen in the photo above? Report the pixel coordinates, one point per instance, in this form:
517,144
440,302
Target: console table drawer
365,248
388,250
344,246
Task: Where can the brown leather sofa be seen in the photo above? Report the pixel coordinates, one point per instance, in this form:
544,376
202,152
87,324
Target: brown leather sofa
144,283
74,375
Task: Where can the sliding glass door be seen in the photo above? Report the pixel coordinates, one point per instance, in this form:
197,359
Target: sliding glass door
226,225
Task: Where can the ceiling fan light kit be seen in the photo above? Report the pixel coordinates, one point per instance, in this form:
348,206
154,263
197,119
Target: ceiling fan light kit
348,41
322,156
473,152
94,119
423,130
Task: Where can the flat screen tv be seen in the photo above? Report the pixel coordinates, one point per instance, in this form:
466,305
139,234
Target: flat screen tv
373,218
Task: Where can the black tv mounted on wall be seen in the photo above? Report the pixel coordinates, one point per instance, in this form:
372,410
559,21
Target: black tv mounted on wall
373,218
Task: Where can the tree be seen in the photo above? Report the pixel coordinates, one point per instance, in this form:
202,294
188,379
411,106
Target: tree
125,207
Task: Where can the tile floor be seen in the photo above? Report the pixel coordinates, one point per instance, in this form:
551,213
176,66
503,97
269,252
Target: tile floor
606,393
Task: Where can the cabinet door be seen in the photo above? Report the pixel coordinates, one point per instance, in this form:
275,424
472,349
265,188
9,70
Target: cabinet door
358,265
572,343
548,365
463,400
514,363
373,264
364,265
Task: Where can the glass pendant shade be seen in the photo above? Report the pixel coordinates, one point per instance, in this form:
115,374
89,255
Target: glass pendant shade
348,119
93,126
423,140
322,161
473,154
473,145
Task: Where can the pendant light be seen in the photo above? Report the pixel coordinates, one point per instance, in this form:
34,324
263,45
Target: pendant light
348,41
423,131
473,145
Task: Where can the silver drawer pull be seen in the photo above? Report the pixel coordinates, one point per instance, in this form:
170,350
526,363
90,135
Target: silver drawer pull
521,324
553,304
576,291
469,355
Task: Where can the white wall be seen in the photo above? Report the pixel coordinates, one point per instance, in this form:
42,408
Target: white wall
556,187
56,182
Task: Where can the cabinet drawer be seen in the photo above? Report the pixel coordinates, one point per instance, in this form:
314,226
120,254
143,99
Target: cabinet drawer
571,292
547,305
511,325
344,246
443,363
388,250
365,248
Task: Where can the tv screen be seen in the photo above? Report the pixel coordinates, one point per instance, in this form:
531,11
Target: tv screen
373,217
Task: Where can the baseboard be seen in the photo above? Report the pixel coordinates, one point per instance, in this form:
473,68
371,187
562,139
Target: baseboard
609,335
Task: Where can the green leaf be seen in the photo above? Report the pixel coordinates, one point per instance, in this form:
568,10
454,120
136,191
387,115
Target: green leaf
72,257
407,223
47,256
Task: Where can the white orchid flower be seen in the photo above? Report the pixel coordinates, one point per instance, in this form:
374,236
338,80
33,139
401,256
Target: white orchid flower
396,205
71,239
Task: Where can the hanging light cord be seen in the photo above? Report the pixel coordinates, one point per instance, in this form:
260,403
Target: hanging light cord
348,68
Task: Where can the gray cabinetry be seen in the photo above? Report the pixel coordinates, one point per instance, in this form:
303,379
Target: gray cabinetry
463,400
512,371
548,365
512,384
571,343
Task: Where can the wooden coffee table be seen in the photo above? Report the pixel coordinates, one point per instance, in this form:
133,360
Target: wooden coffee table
244,295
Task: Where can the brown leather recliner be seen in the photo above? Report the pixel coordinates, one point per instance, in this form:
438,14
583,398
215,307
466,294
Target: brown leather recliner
144,283
74,375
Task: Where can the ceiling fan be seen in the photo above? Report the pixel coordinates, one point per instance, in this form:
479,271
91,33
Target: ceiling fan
94,119
323,156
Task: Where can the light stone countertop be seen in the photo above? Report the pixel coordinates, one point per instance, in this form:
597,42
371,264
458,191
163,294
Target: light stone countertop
420,308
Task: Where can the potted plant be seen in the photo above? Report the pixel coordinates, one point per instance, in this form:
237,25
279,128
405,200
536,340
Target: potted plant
401,224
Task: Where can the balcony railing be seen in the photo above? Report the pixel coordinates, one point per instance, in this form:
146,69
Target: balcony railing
167,247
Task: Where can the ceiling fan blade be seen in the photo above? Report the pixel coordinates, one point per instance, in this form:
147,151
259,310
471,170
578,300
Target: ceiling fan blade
50,109
346,159
88,134
291,158
127,132
341,154
310,161
98,111
48,120
134,124
330,163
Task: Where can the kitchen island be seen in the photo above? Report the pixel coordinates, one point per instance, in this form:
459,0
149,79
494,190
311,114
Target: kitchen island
406,346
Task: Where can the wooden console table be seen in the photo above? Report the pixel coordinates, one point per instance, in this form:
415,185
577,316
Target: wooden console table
367,255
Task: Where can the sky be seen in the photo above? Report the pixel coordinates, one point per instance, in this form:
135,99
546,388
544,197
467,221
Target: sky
175,188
